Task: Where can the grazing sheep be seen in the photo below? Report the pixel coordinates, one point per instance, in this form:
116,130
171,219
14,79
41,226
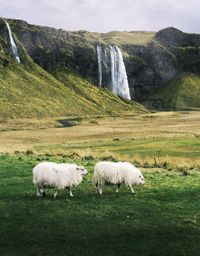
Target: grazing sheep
116,173
60,176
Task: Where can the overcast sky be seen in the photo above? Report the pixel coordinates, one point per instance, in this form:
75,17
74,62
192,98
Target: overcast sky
106,15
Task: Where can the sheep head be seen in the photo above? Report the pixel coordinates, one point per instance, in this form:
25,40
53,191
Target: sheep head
82,170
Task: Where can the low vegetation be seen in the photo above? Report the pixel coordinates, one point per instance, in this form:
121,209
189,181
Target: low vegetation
131,38
161,219
32,92
181,93
165,137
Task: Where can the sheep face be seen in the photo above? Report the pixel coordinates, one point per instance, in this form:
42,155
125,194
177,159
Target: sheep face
82,170
141,180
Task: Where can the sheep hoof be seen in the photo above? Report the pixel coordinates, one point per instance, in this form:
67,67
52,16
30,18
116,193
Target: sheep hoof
43,194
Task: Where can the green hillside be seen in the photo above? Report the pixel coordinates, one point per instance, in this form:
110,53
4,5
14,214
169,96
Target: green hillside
181,93
26,90
35,93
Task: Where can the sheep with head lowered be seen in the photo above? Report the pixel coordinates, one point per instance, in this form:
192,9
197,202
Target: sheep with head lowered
59,176
116,173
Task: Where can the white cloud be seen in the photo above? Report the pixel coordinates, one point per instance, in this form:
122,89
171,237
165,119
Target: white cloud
106,15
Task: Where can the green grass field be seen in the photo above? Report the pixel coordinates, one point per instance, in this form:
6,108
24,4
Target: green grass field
161,219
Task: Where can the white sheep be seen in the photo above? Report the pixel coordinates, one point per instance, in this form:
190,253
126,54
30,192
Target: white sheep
116,173
59,176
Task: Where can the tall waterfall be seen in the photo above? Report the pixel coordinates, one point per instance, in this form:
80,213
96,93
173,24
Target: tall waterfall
99,55
12,44
112,71
118,74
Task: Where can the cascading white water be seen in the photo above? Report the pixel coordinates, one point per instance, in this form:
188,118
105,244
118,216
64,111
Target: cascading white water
114,70
117,82
12,44
99,55
118,74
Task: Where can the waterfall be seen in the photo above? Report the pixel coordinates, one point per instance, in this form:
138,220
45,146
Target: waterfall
12,44
118,74
99,55
115,68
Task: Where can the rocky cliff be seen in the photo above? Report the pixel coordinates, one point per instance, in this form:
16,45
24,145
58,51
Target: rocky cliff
54,88
152,59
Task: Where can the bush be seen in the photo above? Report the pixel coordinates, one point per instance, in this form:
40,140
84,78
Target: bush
29,152
93,122
88,158
108,158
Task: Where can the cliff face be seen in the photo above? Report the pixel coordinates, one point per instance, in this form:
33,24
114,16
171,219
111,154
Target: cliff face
151,59
51,89
54,49
148,67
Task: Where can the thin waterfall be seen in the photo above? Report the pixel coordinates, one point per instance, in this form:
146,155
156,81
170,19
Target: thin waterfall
99,55
12,44
114,70
114,66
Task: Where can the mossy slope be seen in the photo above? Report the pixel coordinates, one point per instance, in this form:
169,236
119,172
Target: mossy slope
32,92
181,93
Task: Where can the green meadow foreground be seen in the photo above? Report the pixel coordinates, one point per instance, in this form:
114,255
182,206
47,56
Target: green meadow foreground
163,218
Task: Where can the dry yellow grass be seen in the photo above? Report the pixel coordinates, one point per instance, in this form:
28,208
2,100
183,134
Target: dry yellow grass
95,137
124,37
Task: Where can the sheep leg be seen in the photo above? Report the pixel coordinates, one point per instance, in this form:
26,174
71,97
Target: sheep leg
98,189
70,192
118,186
55,194
132,189
40,192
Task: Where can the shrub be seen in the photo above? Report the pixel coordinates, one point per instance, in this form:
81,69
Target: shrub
93,122
29,152
88,158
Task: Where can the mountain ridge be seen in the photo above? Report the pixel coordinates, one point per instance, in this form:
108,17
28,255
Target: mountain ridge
151,59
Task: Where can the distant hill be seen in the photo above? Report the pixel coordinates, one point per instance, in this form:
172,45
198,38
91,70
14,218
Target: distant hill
181,93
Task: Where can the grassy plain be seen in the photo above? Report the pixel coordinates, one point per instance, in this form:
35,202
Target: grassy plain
161,219
172,137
